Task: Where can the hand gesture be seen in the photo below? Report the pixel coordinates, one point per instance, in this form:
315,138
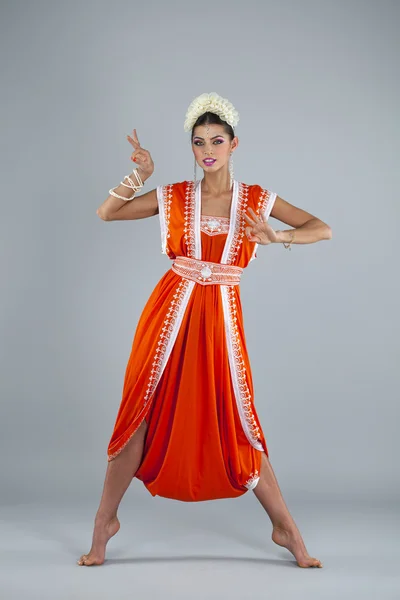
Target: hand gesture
258,230
141,157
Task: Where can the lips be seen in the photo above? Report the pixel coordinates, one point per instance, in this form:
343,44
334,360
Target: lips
209,161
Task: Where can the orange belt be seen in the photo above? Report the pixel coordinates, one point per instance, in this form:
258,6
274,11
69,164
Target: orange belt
205,272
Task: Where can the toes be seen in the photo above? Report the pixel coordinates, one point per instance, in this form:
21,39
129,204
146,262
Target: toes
317,563
88,562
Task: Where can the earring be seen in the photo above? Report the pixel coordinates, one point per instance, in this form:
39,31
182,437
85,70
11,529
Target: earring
195,170
231,169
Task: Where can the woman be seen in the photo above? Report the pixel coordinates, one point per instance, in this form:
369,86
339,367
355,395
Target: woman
187,425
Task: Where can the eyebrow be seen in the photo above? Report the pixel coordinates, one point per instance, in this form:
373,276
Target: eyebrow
213,138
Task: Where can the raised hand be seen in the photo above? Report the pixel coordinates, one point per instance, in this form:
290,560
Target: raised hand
258,229
141,157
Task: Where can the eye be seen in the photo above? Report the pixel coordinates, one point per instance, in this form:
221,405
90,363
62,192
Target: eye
218,141
197,143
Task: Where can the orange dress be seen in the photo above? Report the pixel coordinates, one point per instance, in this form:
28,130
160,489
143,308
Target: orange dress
188,374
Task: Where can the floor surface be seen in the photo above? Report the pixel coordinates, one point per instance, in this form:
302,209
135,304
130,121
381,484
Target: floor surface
216,550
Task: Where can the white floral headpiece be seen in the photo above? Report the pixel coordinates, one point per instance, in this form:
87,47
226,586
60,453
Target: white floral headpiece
211,103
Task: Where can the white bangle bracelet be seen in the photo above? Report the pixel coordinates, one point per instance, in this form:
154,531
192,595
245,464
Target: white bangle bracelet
135,187
138,178
112,193
132,185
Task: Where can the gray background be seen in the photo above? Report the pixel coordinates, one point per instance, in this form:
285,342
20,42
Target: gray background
316,85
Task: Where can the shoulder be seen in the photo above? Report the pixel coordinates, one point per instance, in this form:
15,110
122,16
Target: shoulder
257,192
255,189
178,185
179,188
261,197
174,196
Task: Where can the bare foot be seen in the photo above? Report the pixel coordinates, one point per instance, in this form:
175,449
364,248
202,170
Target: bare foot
292,540
103,531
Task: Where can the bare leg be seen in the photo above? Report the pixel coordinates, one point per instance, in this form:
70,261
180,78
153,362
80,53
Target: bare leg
119,474
285,532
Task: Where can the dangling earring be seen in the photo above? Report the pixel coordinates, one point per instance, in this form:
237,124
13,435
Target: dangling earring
195,170
231,169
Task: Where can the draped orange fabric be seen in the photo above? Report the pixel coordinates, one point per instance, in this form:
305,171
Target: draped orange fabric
188,373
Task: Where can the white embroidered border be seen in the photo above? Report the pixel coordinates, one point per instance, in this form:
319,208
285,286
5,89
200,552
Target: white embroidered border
265,204
169,332
237,368
192,268
164,198
223,225
189,219
252,480
238,209
197,215
172,324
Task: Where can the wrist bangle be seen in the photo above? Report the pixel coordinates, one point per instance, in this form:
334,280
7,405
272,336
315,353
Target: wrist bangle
292,236
133,186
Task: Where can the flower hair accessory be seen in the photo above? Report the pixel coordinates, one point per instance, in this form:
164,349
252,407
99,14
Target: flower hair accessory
211,103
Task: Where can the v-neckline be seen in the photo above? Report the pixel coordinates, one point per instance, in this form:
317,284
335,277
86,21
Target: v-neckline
232,220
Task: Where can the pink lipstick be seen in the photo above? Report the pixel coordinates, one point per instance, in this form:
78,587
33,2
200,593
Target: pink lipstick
209,161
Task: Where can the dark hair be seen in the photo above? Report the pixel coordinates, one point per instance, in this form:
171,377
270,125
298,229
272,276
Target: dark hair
210,118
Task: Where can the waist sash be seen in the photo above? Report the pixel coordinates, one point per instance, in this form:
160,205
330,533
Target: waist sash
205,272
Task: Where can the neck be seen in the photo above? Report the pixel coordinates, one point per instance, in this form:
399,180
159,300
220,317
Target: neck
217,183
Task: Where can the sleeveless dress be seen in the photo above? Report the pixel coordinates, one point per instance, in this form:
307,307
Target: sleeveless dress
188,374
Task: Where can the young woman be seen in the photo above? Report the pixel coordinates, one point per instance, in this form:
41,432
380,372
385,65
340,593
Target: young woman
187,425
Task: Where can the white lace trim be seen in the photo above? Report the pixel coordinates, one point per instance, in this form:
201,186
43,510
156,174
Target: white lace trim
164,198
168,334
237,368
167,337
252,480
214,225
197,216
189,220
265,204
237,225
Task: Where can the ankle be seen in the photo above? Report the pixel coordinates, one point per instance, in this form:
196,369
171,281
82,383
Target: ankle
104,518
285,525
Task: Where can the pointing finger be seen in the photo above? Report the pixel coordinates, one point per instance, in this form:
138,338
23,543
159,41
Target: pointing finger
135,137
133,142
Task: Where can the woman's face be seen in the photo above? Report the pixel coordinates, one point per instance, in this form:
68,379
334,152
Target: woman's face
212,146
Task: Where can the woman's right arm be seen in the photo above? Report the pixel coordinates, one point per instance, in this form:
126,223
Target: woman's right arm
140,207
114,209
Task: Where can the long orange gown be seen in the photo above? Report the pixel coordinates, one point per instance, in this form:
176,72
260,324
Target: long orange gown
188,374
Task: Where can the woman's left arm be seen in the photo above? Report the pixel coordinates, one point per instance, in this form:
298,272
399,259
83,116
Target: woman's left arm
306,228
